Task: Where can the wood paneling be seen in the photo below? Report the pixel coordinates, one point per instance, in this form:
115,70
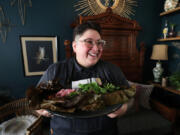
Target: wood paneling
120,34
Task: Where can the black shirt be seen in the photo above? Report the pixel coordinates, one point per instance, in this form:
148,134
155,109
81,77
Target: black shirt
69,70
66,72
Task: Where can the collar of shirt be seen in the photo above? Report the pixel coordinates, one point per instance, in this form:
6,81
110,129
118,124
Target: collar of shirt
80,68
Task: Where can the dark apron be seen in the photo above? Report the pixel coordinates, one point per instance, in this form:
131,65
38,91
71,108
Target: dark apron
90,126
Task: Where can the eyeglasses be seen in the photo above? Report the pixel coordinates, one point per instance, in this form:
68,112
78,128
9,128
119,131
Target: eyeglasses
90,43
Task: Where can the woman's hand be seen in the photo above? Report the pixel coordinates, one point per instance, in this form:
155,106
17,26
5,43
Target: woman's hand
122,110
44,113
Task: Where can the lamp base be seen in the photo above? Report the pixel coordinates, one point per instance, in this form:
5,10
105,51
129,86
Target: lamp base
157,72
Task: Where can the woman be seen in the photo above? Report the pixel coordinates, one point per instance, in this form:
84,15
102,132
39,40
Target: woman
88,47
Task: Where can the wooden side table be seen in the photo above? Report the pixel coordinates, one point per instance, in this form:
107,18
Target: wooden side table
167,88
164,100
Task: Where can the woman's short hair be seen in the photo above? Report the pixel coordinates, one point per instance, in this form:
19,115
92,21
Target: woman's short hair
81,28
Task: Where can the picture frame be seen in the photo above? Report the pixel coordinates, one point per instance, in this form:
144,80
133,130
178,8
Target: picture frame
38,53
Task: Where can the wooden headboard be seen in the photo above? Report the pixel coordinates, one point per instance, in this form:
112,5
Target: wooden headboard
120,34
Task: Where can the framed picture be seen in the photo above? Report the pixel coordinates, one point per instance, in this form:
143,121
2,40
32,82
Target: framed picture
38,53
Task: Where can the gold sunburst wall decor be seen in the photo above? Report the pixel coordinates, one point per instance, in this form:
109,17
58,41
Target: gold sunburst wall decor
123,8
22,4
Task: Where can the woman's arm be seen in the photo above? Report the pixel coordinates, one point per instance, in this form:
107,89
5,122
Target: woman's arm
122,110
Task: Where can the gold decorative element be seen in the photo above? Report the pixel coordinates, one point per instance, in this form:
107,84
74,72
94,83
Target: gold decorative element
107,4
5,25
22,8
94,7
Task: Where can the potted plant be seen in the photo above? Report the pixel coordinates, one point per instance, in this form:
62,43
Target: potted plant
174,80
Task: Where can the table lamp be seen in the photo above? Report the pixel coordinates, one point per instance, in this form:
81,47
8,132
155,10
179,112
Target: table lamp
160,52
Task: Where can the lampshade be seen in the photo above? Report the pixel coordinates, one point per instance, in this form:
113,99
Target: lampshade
160,52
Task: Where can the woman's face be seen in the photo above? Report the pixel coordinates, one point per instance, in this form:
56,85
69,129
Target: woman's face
88,48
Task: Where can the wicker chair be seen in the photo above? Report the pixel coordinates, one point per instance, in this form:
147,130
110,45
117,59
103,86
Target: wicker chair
20,107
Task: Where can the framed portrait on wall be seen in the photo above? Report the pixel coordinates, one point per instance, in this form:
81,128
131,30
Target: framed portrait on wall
38,53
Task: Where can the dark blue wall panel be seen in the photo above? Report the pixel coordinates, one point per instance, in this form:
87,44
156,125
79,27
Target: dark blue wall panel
53,18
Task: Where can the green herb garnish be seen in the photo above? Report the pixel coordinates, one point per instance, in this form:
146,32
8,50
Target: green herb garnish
108,87
74,93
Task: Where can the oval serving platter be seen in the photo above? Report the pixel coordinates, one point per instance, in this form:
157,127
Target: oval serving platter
84,114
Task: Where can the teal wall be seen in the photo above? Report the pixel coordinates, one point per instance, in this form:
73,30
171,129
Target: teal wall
173,62
53,18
